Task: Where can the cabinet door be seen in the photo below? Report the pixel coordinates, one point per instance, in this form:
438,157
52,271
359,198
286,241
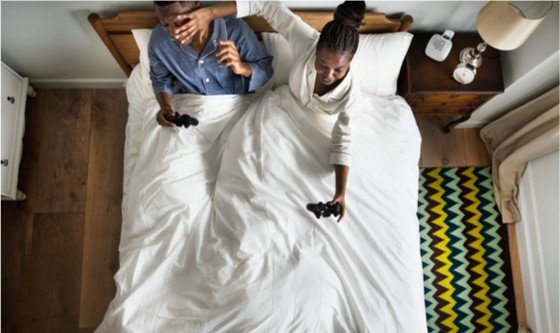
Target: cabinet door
11,132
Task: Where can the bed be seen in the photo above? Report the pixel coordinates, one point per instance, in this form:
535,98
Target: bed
200,251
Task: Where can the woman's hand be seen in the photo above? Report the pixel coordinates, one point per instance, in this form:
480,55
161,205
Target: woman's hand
198,22
160,118
228,56
339,198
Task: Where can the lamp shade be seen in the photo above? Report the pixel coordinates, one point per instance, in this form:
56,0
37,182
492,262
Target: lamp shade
504,28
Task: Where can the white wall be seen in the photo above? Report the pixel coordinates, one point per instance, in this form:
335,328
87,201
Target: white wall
536,82
538,235
528,71
53,41
541,45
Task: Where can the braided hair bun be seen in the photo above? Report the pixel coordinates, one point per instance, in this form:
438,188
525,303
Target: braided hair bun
341,34
350,13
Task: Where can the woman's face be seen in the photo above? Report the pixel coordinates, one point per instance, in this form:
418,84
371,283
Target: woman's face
331,66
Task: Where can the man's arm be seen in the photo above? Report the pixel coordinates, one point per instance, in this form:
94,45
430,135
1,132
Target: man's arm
162,83
243,54
254,64
165,101
254,55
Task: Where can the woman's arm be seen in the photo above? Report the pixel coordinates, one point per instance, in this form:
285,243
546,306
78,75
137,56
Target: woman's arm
341,142
340,157
200,19
280,18
341,173
299,34
290,26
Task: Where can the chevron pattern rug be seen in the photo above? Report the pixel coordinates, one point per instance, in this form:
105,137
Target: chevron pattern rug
464,245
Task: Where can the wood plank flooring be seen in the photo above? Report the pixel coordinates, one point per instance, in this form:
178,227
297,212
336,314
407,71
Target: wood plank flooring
63,156
461,147
53,302
60,246
103,207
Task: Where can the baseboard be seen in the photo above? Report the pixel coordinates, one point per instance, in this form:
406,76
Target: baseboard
79,83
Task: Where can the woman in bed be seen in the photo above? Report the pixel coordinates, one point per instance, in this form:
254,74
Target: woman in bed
321,78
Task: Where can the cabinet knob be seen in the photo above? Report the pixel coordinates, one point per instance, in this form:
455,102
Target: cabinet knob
4,162
11,99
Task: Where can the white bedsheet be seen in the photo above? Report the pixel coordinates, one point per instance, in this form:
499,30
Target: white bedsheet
169,177
255,260
287,271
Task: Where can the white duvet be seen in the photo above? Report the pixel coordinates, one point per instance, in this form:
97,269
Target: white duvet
249,257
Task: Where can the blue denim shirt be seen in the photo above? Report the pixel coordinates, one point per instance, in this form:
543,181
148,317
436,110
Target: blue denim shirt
172,63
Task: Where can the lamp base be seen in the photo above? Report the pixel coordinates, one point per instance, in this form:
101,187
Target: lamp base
473,57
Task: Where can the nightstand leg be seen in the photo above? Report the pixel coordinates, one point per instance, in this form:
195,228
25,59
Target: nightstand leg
20,196
452,124
31,92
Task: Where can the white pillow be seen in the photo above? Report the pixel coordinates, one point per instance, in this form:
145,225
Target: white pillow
278,47
142,38
377,62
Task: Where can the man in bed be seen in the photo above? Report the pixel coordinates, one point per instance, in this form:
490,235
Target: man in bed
224,58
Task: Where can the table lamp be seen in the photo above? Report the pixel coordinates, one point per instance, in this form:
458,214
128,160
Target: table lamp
504,26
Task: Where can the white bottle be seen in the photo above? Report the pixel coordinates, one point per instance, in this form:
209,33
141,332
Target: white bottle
439,46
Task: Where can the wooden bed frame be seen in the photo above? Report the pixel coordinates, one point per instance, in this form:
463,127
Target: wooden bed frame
116,32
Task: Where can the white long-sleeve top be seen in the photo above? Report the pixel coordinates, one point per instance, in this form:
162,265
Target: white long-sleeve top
302,38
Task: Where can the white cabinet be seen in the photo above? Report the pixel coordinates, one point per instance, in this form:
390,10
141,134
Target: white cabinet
14,94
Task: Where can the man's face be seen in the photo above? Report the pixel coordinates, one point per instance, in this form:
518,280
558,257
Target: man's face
167,15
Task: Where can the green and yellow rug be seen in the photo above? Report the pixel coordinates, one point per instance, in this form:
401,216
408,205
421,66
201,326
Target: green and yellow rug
464,245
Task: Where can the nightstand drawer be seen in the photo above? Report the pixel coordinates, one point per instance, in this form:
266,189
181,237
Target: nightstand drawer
446,105
445,98
443,112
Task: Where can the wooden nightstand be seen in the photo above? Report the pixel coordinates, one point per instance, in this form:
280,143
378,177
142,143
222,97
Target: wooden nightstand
428,85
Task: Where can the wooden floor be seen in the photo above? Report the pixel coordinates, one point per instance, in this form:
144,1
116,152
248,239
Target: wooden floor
60,246
461,147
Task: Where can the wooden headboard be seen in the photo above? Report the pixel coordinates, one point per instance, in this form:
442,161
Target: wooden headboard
116,32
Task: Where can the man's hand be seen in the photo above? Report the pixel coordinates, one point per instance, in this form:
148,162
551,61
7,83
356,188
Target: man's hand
198,22
339,198
160,118
228,56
